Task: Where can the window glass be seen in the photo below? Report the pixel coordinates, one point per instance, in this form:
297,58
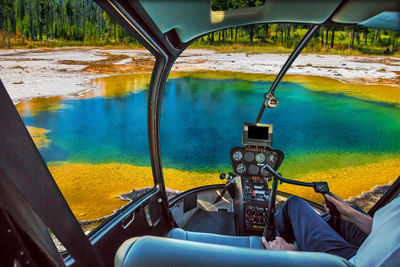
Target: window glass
345,133
223,5
94,143
79,82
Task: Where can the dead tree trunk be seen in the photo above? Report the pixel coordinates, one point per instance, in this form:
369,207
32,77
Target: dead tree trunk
322,38
358,37
352,38
251,34
31,21
326,36
394,42
236,34
211,38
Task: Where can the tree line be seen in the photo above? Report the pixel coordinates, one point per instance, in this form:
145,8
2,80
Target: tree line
39,20
82,20
288,35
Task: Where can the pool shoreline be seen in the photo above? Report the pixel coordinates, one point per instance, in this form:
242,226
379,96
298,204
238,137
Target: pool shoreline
104,87
24,78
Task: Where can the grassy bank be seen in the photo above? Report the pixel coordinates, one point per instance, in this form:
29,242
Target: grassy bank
257,47
260,48
18,44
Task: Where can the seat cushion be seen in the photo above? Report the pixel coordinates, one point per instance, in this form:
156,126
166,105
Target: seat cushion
235,241
157,251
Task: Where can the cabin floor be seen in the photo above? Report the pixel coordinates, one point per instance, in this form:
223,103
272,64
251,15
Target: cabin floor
217,222
207,212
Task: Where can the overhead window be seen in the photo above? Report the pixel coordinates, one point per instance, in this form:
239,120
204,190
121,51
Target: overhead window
223,5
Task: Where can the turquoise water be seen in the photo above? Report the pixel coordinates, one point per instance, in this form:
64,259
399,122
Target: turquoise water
203,119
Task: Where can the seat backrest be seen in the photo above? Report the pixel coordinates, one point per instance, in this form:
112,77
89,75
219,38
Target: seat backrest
158,251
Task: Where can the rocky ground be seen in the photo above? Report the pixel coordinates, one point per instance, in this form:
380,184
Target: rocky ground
50,72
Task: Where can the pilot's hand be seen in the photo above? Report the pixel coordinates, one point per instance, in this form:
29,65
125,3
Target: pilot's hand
346,212
278,244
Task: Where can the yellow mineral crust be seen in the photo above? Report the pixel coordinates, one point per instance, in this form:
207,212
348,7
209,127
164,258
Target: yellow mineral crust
379,93
117,86
39,104
39,136
348,182
91,189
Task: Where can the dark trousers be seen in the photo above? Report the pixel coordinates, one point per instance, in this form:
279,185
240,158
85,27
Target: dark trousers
297,221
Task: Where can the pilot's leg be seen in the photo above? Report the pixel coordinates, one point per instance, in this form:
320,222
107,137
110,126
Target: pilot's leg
297,221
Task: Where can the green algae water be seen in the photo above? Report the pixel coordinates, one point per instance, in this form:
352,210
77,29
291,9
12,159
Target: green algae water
202,119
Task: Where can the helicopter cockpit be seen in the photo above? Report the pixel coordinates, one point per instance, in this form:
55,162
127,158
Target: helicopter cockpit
252,200
248,189
210,225
248,199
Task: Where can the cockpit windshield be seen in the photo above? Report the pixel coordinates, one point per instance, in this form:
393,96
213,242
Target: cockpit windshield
342,133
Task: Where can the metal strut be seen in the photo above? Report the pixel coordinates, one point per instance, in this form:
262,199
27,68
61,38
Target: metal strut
270,100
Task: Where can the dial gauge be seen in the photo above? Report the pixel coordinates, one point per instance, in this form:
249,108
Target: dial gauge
241,168
237,156
260,158
264,172
249,156
253,169
272,158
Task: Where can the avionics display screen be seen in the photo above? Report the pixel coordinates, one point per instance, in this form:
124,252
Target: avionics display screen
256,132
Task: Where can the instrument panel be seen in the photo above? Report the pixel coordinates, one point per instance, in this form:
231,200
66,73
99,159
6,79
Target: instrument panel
249,161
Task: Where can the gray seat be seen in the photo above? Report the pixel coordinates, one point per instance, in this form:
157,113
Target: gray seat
235,241
158,251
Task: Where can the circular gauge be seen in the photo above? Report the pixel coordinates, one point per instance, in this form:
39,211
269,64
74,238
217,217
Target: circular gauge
237,155
253,169
249,156
260,158
264,172
272,158
241,168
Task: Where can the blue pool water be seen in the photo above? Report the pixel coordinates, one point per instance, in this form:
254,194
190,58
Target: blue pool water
203,119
